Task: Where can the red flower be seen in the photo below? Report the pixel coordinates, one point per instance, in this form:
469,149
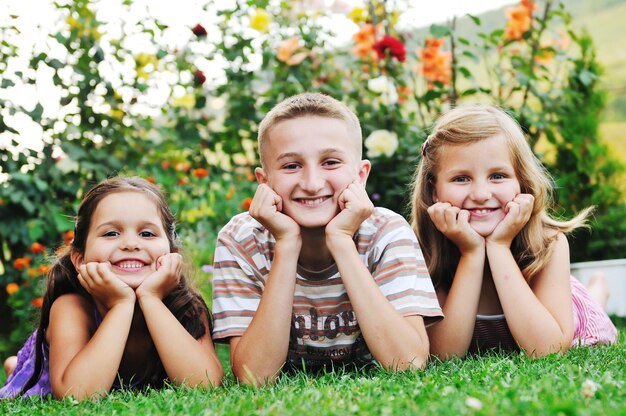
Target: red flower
199,30
21,263
198,78
151,179
394,46
245,204
200,173
37,248
165,164
37,302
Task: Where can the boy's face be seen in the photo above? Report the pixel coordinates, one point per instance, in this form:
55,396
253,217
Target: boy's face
309,161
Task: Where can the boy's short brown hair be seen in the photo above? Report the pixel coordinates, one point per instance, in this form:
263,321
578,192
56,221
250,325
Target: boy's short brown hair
309,104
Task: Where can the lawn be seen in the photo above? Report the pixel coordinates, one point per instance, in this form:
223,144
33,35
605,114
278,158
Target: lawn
584,381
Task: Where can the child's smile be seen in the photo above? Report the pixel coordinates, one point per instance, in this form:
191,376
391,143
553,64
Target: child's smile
310,161
479,178
126,230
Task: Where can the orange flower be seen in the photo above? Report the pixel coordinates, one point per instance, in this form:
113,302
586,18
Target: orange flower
183,180
37,302
151,179
520,19
43,269
364,40
12,288
165,164
31,272
200,173
230,193
245,204
436,65
403,93
37,248
21,263
68,237
286,51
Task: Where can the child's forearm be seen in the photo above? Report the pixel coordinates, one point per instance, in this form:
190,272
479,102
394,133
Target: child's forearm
93,369
539,324
452,336
393,340
262,349
186,360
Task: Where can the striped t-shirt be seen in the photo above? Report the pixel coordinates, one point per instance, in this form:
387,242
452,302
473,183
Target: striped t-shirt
324,327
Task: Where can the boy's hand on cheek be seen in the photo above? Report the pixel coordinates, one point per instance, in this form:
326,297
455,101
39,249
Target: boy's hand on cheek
453,222
355,207
266,208
518,212
100,282
164,278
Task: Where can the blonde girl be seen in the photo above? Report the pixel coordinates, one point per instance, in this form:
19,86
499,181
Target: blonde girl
499,262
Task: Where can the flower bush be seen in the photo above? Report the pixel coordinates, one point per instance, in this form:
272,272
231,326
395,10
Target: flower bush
186,116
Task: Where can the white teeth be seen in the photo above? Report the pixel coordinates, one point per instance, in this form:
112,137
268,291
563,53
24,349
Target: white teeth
312,201
130,264
482,211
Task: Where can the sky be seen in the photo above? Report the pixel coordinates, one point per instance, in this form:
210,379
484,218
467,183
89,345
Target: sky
179,16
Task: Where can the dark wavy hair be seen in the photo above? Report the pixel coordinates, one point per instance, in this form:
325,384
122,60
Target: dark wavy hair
185,303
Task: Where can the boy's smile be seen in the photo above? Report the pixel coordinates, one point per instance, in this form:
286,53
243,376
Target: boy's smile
309,161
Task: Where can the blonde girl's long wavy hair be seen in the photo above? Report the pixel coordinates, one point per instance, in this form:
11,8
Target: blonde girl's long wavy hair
462,126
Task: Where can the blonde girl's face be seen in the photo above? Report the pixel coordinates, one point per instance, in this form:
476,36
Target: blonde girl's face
126,230
479,178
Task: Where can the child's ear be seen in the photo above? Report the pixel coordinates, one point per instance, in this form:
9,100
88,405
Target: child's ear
261,176
364,171
77,258
435,199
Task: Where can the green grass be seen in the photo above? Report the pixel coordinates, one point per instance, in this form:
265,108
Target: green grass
503,384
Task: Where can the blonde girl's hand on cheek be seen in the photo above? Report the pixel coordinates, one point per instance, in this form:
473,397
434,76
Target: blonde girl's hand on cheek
164,278
103,285
355,207
453,222
518,212
266,208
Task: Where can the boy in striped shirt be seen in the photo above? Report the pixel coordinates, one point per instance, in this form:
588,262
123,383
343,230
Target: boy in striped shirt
314,276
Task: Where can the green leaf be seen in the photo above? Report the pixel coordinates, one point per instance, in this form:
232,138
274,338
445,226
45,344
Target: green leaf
35,230
6,83
475,19
586,77
439,31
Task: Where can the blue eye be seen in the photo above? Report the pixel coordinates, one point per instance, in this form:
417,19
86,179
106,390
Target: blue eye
461,179
498,176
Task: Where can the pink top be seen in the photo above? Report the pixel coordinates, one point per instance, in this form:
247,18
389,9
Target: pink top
592,325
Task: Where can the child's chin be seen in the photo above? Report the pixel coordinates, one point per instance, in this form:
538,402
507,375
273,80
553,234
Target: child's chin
484,231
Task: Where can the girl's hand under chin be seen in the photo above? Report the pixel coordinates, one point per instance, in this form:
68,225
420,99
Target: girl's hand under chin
100,282
518,212
453,222
165,277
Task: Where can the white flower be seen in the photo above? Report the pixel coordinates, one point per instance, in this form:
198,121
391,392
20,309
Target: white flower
589,388
381,142
67,165
473,403
385,87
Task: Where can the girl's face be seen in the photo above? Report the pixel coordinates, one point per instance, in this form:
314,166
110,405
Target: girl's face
126,230
479,178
